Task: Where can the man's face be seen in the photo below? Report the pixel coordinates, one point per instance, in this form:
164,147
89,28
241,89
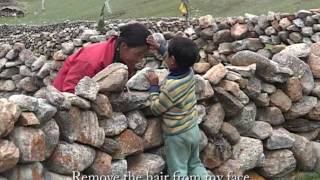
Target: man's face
132,56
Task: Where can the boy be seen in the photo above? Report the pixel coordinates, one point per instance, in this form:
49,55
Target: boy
176,102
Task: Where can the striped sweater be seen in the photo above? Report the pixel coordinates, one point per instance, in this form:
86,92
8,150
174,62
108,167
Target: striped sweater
176,101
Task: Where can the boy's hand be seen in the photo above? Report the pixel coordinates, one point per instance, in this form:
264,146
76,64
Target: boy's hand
153,43
152,77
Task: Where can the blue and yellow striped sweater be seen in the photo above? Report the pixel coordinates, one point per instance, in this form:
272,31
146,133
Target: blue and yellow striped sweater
176,101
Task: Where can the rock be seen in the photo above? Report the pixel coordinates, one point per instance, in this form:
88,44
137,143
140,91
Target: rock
77,42
119,169
245,120
87,33
254,44
312,135
80,126
145,165
269,71
206,21
234,88
115,125
3,62
59,56
263,21
77,101
301,107
298,22
293,89
53,176
101,165
268,88
260,130
314,49
27,171
299,68
51,136
304,154
139,81
137,122
113,78
201,113
204,141
9,155
281,100
215,74
248,152
278,164
130,144
279,140
301,125
303,13
153,134
314,114
230,168
56,98
8,73
272,115
295,37
31,143
102,106
314,62
316,89
270,31
25,71
201,67
27,57
245,71
316,149
45,111
28,119
203,88
26,103
7,85
126,101
207,33
227,48
4,49
28,84
253,88
67,48
222,36
45,70
239,31
67,158
38,63
230,133
298,50
316,36
213,120
87,88
284,23
307,31
230,104
12,54
110,146
216,152
9,114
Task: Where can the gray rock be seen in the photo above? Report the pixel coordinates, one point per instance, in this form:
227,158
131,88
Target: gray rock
114,126
128,101
254,44
245,120
316,27
44,70
25,71
77,101
248,152
231,105
13,64
213,120
303,152
316,149
272,115
260,130
265,39
77,42
203,88
270,31
278,164
281,100
316,89
3,62
299,68
207,33
253,88
80,126
268,88
56,98
316,37
51,136
7,85
301,107
28,84
119,169
204,141
110,146
102,106
265,53
137,122
314,114
301,125
279,140
298,22
298,50
31,143
9,155
295,37
8,73
303,13
230,133
227,48
45,111
27,57
263,21
222,36
87,88
4,49
85,36
97,38
67,158
12,54
27,171
145,165
26,103
201,113
67,48
307,31
244,71
53,176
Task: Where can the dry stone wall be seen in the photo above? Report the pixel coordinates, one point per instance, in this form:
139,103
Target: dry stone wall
257,85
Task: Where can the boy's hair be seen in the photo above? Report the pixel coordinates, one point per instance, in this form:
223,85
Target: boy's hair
134,35
184,50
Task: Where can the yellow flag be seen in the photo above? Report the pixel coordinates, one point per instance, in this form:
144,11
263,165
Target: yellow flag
183,9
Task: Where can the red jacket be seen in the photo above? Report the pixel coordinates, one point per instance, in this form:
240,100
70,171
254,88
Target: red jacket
88,61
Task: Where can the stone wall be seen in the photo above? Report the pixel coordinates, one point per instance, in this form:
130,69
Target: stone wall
257,85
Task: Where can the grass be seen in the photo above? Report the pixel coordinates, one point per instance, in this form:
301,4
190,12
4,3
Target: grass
61,10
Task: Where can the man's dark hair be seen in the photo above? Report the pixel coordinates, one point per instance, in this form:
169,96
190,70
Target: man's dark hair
184,50
134,34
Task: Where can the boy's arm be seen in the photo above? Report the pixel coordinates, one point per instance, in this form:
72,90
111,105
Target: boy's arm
160,101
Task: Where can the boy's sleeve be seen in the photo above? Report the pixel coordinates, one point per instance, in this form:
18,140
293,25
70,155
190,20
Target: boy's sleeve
160,101
162,49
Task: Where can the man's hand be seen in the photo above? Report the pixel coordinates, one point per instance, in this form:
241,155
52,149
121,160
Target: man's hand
153,43
152,77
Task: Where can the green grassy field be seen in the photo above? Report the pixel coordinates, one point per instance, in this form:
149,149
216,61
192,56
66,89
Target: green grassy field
61,10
